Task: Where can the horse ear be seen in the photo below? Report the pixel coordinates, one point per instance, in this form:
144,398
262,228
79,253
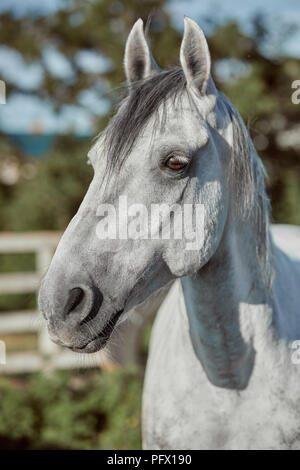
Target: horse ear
194,56
138,60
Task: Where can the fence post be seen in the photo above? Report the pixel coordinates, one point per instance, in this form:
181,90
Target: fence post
46,347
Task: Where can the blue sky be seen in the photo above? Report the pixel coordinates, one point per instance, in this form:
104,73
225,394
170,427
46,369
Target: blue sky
28,7
21,111
286,11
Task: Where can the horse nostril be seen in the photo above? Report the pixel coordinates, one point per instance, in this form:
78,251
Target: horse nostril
78,296
75,297
97,302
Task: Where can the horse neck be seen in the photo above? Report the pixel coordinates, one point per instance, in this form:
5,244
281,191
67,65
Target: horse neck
217,299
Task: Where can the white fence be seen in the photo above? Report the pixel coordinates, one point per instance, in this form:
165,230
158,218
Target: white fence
48,355
125,347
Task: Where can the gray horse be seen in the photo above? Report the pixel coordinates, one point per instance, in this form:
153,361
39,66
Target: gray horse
220,373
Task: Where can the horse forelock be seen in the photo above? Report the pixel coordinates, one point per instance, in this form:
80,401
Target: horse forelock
145,99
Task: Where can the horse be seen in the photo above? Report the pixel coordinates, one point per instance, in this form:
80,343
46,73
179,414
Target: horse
222,372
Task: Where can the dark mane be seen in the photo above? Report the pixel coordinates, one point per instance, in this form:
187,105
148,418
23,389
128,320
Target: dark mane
144,99
246,173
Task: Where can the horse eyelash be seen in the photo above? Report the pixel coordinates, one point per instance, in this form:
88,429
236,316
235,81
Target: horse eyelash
173,153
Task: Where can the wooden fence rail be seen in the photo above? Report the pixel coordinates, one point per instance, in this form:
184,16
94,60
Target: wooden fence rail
48,355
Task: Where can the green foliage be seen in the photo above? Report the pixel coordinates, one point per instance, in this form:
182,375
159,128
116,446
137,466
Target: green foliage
11,302
103,411
52,197
17,419
289,206
256,101
262,95
228,41
64,411
102,26
17,262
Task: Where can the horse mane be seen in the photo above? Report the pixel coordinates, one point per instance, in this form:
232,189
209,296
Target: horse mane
146,98
247,177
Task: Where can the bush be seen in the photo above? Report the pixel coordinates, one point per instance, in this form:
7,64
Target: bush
97,410
52,196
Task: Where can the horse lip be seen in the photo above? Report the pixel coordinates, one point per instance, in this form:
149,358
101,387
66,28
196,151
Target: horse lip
105,332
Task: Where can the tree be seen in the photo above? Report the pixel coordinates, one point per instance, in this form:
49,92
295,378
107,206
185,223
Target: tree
259,84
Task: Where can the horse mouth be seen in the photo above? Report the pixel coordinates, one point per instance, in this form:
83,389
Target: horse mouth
99,341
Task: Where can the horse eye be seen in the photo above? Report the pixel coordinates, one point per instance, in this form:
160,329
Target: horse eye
176,162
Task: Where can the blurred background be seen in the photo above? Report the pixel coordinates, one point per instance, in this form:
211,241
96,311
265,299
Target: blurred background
61,61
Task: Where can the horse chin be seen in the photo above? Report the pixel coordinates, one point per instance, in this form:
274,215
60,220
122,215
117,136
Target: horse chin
91,347
94,344
100,341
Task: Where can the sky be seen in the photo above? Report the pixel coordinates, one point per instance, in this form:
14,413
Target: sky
285,11
21,110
